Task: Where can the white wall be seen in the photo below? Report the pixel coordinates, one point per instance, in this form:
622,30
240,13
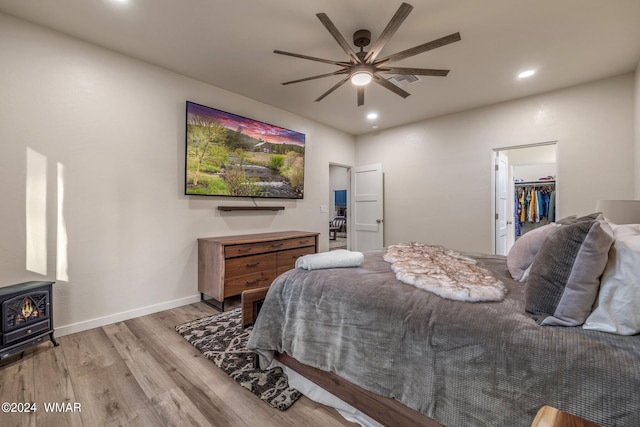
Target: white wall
533,172
91,177
532,163
532,155
438,172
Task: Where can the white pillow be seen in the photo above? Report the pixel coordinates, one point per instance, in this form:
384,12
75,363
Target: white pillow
617,309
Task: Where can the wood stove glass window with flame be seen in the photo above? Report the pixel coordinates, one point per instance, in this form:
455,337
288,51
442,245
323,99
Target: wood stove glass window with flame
26,316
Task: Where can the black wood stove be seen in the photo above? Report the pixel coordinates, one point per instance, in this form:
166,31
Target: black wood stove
27,320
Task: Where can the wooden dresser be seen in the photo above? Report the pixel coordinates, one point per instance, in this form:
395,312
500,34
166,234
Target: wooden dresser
228,265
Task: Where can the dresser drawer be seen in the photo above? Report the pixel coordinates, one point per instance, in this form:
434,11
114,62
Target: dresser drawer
298,243
287,259
231,251
249,264
236,285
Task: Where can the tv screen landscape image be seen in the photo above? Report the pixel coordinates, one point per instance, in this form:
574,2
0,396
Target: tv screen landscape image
230,155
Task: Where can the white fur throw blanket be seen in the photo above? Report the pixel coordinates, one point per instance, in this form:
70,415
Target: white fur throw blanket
443,272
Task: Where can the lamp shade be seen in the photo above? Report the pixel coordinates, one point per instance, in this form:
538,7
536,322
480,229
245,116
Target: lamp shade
620,211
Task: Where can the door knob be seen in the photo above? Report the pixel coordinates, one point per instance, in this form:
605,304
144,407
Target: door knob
379,221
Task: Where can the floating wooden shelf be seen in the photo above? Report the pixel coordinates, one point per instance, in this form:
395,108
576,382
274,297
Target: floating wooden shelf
250,208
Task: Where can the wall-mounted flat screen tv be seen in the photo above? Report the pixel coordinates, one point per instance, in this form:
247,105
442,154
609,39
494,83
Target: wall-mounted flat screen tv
231,155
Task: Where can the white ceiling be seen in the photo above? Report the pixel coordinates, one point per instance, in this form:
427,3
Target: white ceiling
230,43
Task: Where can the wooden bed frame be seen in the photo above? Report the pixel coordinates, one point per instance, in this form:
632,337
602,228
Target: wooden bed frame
387,411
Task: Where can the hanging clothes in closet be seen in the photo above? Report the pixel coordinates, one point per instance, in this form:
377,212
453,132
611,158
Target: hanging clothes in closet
534,205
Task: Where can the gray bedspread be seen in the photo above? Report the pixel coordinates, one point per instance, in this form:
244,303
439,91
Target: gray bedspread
462,364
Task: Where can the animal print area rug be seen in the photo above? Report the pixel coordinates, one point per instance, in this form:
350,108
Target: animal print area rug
443,272
223,340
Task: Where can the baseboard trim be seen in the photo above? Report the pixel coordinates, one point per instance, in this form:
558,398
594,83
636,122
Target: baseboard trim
124,315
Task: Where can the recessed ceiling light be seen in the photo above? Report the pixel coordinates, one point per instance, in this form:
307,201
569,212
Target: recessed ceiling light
372,116
527,73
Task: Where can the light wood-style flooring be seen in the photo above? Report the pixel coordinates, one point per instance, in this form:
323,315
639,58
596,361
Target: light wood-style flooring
139,372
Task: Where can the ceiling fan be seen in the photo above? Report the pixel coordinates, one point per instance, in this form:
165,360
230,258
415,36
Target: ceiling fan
364,67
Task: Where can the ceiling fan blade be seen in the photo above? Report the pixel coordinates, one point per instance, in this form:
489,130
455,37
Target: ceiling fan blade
336,35
414,71
335,73
336,86
391,28
360,95
312,58
451,38
387,84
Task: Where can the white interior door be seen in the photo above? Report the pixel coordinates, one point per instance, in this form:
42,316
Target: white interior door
367,207
502,200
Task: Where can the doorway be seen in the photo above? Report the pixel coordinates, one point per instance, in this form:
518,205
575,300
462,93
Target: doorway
339,189
523,174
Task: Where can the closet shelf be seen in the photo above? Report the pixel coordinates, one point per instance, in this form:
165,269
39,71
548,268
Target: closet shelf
545,181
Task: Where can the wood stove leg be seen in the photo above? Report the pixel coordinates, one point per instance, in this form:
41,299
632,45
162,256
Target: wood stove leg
53,340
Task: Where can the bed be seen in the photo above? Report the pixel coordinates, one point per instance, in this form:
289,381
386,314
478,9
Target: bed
452,363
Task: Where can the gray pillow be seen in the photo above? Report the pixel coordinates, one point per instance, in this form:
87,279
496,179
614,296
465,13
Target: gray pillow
525,249
568,220
572,219
565,275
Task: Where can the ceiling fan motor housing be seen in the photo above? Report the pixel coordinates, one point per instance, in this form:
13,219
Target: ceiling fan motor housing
362,38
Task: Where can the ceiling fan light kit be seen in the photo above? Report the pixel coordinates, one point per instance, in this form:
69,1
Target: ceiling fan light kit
361,77
363,67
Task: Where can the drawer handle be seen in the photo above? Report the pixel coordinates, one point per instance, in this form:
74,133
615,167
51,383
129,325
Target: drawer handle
276,245
255,264
244,249
29,331
254,282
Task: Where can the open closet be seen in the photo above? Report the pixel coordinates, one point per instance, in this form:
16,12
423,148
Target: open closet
534,205
525,193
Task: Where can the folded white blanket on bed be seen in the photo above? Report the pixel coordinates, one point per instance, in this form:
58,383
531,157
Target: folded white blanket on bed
331,259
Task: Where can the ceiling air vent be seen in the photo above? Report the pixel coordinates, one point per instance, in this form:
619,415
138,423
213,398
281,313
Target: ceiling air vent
402,80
